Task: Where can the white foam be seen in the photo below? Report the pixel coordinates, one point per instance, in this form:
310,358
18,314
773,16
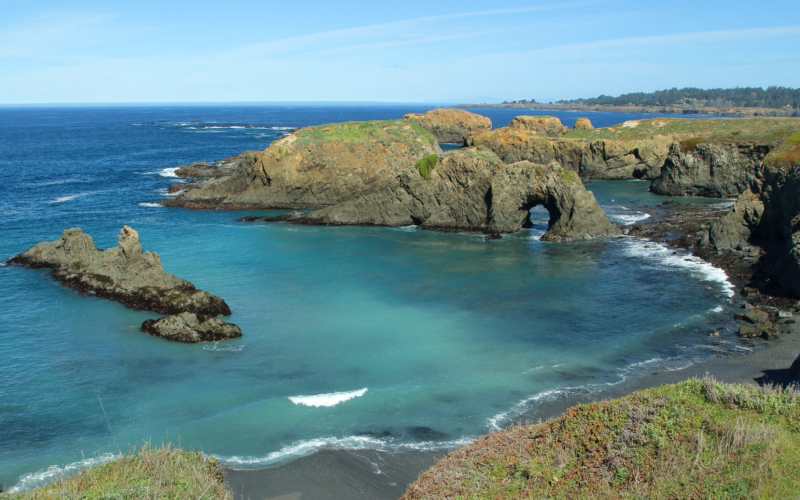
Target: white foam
495,423
169,172
327,400
658,254
151,205
228,348
68,198
44,476
60,181
718,309
627,217
303,448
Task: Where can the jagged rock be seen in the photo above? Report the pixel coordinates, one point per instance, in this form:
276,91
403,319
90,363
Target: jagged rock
471,189
547,126
187,327
293,216
794,370
714,170
123,273
451,125
315,167
733,231
756,316
749,332
583,124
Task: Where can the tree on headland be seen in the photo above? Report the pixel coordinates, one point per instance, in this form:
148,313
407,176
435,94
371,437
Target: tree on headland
746,97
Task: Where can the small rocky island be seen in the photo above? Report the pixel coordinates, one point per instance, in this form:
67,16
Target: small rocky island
135,278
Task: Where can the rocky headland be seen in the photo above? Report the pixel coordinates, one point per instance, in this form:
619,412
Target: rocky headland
451,126
394,174
710,157
128,275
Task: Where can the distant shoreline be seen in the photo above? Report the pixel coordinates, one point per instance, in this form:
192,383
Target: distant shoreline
664,110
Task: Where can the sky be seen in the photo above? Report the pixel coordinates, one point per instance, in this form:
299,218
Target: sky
444,51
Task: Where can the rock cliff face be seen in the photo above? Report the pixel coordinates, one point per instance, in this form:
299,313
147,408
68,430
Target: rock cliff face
717,170
600,159
451,125
716,158
315,167
583,124
472,189
769,216
123,273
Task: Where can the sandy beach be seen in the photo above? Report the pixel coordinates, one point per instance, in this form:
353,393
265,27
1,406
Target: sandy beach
369,474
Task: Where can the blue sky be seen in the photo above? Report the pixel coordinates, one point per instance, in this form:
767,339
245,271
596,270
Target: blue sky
86,51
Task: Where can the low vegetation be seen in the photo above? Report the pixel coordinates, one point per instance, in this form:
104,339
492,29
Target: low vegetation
165,473
426,164
787,154
762,130
699,439
360,132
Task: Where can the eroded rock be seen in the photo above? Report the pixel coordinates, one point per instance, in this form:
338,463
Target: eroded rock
187,327
547,126
123,273
451,125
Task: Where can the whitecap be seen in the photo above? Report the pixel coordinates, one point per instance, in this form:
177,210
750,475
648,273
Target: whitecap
59,181
327,400
44,476
68,198
304,448
659,254
151,205
495,423
717,309
169,172
625,216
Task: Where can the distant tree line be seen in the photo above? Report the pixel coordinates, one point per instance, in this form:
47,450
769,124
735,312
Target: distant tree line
748,97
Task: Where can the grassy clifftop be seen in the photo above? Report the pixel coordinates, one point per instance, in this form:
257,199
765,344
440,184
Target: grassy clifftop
697,439
164,474
359,132
763,130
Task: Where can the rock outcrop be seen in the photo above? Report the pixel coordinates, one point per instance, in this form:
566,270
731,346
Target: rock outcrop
600,158
583,124
547,126
314,167
187,327
768,217
451,125
123,273
472,190
715,170
715,158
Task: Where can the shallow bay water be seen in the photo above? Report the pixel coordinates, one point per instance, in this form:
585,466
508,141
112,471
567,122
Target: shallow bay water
388,338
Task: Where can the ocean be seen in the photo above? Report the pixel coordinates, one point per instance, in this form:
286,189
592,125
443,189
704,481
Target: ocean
384,338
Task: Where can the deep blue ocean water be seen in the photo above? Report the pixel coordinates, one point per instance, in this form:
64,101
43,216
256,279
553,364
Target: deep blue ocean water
390,338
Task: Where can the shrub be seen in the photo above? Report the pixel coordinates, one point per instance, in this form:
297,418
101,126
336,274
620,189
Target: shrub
426,164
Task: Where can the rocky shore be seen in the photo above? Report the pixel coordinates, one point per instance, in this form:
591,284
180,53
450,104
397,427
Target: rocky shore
135,278
738,112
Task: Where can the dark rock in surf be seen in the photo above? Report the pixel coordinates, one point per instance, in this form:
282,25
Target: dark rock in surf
187,327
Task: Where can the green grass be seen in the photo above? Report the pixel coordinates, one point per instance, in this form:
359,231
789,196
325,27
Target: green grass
764,130
699,439
164,473
359,132
426,164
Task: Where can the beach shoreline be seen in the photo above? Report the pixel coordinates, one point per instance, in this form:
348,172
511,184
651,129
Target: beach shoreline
381,475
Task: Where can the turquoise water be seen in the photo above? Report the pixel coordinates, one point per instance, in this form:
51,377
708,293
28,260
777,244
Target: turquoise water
389,338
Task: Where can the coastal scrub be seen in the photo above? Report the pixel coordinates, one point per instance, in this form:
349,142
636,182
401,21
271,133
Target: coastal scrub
166,473
696,439
425,165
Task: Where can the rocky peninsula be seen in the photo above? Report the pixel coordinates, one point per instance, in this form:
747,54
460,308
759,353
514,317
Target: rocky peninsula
451,126
135,278
394,174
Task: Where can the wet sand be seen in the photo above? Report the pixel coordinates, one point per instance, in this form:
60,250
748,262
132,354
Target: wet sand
374,475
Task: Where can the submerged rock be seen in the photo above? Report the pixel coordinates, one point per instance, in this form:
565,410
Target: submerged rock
451,125
123,273
187,327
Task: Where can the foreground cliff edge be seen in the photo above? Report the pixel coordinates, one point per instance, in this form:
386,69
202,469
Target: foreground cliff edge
135,278
394,174
695,439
